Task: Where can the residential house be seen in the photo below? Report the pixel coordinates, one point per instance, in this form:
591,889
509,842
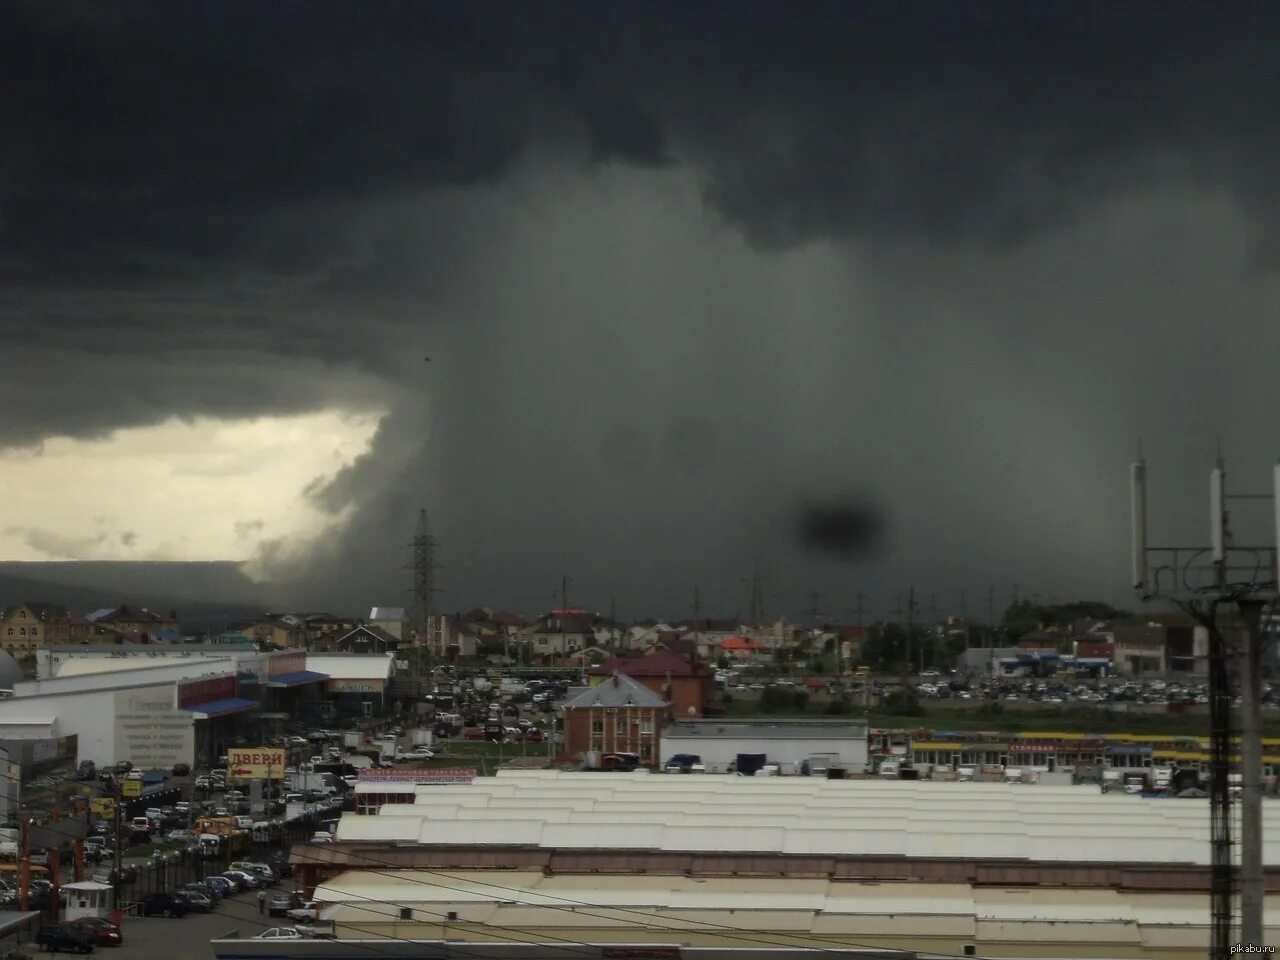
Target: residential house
280,632
590,657
689,686
707,634
676,642
323,629
451,638
743,648
616,715
643,635
140,625
366,638
26,626
391,619
560,633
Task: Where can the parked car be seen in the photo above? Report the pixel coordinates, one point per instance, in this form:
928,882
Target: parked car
101,931
222,884
205,888
196,901
247,881
304,913
63,938
279,904
163,905
279,933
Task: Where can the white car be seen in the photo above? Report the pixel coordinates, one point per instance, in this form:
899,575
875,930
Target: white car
279,933
322,838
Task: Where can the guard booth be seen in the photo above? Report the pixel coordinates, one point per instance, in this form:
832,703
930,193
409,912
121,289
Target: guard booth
87,898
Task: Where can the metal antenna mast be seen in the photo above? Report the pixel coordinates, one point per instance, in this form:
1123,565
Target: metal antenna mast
1199,580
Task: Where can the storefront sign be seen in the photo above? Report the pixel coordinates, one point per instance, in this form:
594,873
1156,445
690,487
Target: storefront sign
354,686
255,763
150,731
282,663
131,788
442,775
205,691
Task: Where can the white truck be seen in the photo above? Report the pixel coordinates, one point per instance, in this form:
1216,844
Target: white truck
889,768
1161,778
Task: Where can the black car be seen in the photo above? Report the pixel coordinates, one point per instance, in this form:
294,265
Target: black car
163,905
63,939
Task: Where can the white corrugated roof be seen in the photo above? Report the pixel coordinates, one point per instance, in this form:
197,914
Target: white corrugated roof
352,667
803,815
730,906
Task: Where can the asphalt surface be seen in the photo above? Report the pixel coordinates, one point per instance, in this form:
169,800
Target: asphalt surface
155,938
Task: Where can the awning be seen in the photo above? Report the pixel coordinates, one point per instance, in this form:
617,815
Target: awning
296,678
220,708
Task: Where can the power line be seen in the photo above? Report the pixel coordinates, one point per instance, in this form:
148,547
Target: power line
572,906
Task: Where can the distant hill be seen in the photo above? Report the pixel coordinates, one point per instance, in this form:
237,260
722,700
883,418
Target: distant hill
207,595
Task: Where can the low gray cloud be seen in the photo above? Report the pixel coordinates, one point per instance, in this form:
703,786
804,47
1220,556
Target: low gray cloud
244,529
58,546
946,260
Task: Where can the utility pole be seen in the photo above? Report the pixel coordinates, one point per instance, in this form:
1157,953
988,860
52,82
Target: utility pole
697,621
613,625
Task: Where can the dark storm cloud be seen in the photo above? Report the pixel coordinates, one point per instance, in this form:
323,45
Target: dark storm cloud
144,126
268,208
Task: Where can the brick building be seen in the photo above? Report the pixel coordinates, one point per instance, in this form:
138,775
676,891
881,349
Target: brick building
617,715
688,685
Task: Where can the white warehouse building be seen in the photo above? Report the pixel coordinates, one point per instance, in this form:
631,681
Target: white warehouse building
788,743
148,714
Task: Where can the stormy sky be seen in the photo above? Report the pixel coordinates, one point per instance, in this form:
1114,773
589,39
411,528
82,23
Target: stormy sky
680,268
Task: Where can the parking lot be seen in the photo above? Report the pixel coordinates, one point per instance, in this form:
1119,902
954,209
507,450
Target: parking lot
155,938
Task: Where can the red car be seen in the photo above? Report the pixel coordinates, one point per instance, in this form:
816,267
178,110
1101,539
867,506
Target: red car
474,733
98,930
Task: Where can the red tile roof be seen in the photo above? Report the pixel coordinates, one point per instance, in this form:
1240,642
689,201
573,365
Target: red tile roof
740,643
654,665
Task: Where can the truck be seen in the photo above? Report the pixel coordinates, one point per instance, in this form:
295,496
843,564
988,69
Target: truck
1161,778
352,739
889,768
420,736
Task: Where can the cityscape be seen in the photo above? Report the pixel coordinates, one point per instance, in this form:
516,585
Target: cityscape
647,481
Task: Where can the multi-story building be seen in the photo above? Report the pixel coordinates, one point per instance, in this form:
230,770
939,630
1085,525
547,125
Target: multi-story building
25,627
618,715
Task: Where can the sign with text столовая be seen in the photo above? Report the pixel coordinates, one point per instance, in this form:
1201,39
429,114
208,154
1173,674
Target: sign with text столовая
150,733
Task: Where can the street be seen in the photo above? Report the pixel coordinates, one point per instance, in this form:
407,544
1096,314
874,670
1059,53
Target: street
155,938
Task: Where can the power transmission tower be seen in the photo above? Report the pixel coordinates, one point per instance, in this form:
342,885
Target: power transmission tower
911,610
756,601
424,567
563,596
813,609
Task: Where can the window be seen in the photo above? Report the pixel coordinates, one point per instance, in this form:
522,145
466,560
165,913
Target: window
11,631
597,726
620,726
35,631
646,724
22,631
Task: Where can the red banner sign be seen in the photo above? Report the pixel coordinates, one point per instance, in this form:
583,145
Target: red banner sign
203,691
282,663
442,775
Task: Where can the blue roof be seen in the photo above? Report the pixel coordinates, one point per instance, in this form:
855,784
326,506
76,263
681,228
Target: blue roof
295,678
217,708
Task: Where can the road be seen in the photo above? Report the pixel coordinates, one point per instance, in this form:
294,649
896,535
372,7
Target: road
155,938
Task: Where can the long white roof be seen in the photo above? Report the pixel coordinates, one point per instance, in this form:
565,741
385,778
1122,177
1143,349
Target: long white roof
739,908
799,815
372,666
